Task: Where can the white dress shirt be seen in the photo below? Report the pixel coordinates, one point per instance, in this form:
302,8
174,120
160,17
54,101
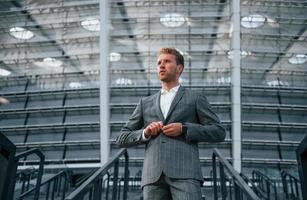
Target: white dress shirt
166,100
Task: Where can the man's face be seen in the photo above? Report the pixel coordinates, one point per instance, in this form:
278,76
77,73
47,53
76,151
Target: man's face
168,69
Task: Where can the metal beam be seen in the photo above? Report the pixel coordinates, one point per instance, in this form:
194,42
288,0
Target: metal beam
104,80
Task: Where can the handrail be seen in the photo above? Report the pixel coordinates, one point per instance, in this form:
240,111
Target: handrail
254,187
48,181
265,183
93,184
240,187
40,169
24,177
291,183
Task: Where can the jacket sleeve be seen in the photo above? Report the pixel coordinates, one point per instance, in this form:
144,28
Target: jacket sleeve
209,128
131,133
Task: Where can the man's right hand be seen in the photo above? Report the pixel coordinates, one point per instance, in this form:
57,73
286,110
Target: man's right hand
153,128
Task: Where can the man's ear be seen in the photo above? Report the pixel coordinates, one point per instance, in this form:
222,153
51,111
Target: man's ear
180,68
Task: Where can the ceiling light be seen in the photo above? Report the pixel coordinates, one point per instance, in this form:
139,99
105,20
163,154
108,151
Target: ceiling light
224,80
252,21
172,20
243,54
49,63
75,85
4,100
276,83
91,24
298,59
114,56
52,62
4,72
21,33
123,81
272,22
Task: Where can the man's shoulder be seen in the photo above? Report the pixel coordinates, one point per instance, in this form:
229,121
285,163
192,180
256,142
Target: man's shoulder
150,97
193,92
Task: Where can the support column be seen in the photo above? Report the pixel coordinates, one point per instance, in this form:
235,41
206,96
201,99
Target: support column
236,86
104,80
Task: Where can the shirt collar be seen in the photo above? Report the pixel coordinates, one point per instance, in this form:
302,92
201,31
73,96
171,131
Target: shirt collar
173,90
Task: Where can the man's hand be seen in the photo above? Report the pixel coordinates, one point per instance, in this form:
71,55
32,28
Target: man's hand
173,129
153,128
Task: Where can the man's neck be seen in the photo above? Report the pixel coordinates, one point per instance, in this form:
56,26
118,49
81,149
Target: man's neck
169,86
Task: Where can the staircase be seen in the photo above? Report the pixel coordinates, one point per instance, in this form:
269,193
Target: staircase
112,181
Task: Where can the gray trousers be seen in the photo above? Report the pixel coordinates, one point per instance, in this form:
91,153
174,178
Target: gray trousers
172,189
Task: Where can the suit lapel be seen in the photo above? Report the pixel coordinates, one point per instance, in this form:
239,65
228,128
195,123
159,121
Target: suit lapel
157,105
177,98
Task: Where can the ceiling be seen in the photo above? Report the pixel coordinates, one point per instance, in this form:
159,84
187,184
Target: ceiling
274,49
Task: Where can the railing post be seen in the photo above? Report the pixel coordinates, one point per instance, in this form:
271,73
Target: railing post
53,189
126,177
301,155
214,176
115,180
285,184
97,189
223,182
108,186
237,191
64,187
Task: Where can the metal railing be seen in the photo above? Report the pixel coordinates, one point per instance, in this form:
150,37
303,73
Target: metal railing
254,187
231,185
92,188
56,187
24,178
41,156
7,169
301,155
267,185
291,186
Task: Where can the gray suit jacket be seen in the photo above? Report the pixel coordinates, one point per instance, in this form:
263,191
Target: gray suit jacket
176,157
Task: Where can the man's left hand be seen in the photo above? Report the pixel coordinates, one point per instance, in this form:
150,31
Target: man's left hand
172,130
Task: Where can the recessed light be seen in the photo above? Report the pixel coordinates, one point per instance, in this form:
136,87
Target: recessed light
4,100
49,63
123,81
252,21
52,62
75,85
172,20
4,72
114,56
21,33
272,22
243,54
276,83
224,80
298,59
91,24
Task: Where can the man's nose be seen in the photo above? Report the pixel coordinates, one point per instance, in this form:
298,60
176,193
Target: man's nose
161,65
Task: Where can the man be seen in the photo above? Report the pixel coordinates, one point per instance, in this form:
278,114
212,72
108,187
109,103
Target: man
171,123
